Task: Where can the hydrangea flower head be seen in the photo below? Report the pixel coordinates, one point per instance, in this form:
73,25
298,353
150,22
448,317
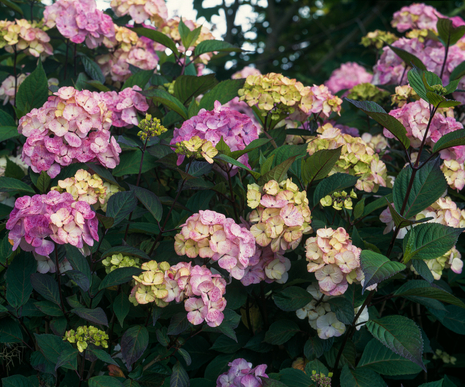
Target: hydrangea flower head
334,260
378,39
241,374
367,92
79,21
415,16
38,221
347,76
209,234
117,261
30,37
357,158
245,72
141,10
281,214
72,126
236,129
85,335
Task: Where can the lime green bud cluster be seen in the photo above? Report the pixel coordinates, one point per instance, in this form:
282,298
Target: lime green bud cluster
321,379
170,87
197,148
151,284
378,39
367,92
150,127
445,357
117,261
83,336
339,200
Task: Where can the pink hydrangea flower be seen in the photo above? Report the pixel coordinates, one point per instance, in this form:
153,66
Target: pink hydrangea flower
347,76
141,10
245,72
72,126
209,234
416,16
236,129
241,374
79,21
38,221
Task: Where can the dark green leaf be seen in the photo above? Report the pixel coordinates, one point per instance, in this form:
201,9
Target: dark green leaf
8,184
384,119
458,72
343,309
401,335
68,359
120,205
178,324
335,182
179,377
315,347
278,173
360,377
133,344
13,170
281,331
385,362
292,298
428,186
18,282
377,268
16,380
168,100
449,140
318,165
96,316
214,45
119,276
236,163
8,132
250,147
452,318
79,263
157,36
377,204
187,87
408,58
295,378
268,382
420,288
92,69
130,163
125,250
104,381
33,92
448,34
150,201
102,355
138,79
415,79
43,182
48,308
52,346
46,286
16,8
121,307
7,120
422,268
10,332
429,241
223,92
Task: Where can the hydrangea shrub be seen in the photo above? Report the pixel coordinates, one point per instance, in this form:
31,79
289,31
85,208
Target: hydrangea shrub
162,227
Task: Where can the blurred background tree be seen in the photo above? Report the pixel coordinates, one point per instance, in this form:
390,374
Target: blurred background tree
306,39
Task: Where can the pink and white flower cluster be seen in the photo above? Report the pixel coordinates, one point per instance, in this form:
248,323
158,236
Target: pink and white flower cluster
201,290
79,21
7,88
241,374
334,260
30,37
72,126
416,17
281,214
347,76
210,234
125,105
415,116
236,129
56,216
266,265
141,10
245,72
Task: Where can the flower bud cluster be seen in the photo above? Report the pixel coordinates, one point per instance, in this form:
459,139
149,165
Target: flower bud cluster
150,127
321,379
403,95
141,10
339,200
197,148
347,76
171,29
79,21
454,173
202,291
236,129
334,260
30,37
241,374
416,16
357,158
117,261
125,105
245,72
415,117
88,188
56,216
266,265
445,357
367,92
274,93
72,126
210,234
83,336
378,39
281,214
